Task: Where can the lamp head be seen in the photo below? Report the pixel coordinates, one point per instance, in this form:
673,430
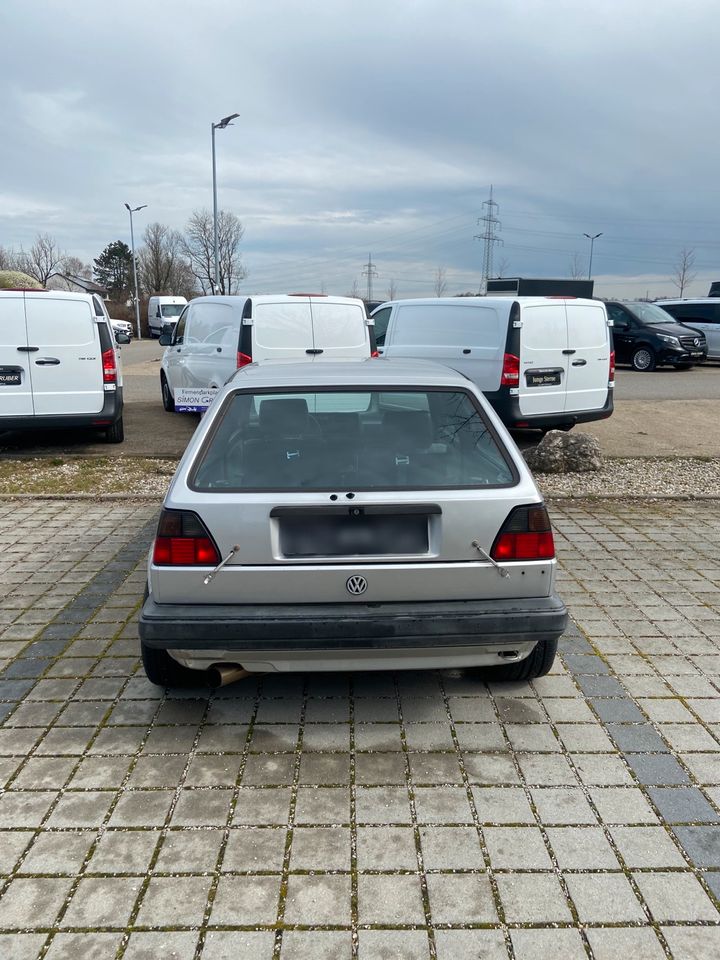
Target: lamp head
226,121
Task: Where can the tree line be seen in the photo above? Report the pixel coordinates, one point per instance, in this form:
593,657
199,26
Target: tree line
168,261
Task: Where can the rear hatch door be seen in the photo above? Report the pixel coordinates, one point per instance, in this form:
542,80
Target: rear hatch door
15,358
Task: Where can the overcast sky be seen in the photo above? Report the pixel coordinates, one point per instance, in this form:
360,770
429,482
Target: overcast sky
372,128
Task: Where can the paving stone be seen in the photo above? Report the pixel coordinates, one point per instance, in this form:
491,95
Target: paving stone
174,901
322,769
96,772
320,848
123,851
442,805
30,902
267,806
676,897
636,942
547,944
480,736
255,899
637,738
604,898
389,900
60,853
516,848
102,902
582,848
546,769
380,768
24,808
396,944
657,769
617,710
89,946
202,808
12,845
388,848
239,945
490,769
382,805
319,899
255,848
316,945
468,945
502,805
642,847
562,805
323,805
701,844
584,738
682,805
161,946
601,769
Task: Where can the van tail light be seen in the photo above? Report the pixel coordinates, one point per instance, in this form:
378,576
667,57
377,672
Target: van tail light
183,541
525,535
109,366
374,354
510,371
243,359
611,371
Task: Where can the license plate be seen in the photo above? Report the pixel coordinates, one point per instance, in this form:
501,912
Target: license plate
337,536
542,378
698,354
10,376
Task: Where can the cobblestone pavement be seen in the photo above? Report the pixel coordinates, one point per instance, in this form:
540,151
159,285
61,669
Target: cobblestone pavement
410,815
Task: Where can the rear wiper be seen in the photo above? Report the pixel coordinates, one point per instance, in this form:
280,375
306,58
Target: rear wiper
501,570
222,563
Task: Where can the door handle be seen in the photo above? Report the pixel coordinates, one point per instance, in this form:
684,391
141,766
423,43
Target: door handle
48,362
569,352
467,351
28,349
313,352
578,363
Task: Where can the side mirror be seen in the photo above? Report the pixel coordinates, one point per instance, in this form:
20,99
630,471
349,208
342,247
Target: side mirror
122,338
158,314
622,325
165,339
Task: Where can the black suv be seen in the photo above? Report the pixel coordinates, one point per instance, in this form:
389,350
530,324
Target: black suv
646,335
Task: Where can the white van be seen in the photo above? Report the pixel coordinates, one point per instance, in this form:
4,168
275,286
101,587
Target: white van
701,314
216,335
541,361
59,368
162,309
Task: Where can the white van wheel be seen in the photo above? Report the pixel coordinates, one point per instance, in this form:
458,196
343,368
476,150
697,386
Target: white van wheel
115,433
167,397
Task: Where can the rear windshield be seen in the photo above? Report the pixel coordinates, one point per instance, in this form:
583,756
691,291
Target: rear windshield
171,309
352,440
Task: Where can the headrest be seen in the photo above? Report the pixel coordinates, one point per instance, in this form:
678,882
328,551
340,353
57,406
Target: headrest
283,414
414,426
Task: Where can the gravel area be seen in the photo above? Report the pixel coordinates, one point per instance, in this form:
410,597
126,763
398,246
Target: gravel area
137,476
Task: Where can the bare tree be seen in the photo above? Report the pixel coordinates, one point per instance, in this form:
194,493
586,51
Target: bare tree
577,267
44,260
162,263
502,268
198,246
683,274
440,282
71,267
355,291
392,290
8,259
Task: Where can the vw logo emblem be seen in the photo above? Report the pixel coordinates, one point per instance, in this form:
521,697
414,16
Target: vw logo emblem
356,585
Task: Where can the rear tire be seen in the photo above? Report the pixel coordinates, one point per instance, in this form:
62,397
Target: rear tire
115,433
167,397
536,665
644,359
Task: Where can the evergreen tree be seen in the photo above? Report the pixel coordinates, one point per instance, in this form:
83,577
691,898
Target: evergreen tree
113,270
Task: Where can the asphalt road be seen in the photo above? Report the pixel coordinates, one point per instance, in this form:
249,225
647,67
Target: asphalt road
664,413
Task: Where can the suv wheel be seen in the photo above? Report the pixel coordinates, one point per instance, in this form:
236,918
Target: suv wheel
536,665
167,397
643,359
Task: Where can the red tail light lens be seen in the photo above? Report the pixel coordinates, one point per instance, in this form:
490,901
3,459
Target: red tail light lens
611,372
510,371
243,359
109,366
525,535
183,541
374,354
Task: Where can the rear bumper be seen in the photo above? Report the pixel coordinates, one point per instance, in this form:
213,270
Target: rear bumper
351,627
111,412
508,409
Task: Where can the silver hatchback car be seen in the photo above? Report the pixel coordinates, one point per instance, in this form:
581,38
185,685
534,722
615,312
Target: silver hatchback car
363,515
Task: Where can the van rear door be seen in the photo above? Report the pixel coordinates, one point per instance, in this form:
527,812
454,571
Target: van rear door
339,330
468,337
15,358
282,330
66,368
588,370
543,358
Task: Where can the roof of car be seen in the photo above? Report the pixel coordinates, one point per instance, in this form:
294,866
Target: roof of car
240,298
347,373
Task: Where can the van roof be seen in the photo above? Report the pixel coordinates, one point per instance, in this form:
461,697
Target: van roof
55,294
484,301
278,298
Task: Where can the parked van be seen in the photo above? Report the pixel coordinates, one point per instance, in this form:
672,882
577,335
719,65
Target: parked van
161,309
58,364
216,335
701,314
541,361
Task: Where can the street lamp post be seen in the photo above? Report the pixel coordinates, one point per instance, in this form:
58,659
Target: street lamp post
592,244
225,122
131,211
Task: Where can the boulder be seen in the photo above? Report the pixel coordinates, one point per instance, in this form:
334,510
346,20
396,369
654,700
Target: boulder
560,452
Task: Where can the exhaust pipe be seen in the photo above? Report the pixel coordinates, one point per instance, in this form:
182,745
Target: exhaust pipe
220,674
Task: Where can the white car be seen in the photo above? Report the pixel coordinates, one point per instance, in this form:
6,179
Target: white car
122,326
360,515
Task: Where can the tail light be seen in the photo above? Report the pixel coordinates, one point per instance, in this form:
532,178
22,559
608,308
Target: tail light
510,371
183,541
243,359
109,366
374,354
525,535
611,371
